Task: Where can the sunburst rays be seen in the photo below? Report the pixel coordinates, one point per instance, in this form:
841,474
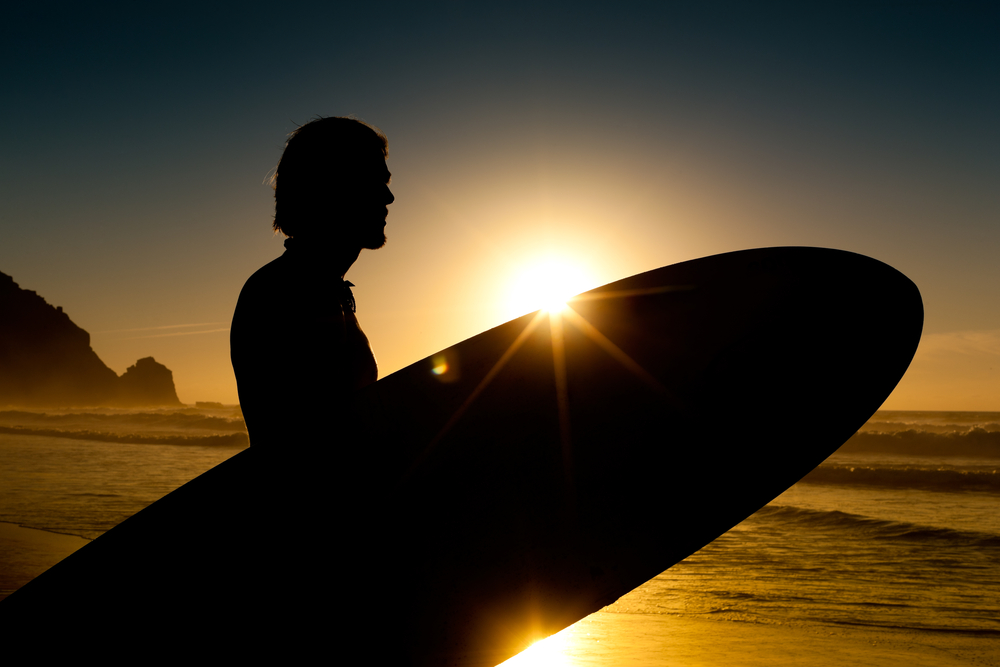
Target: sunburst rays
558,337
551,650
483,384
557,317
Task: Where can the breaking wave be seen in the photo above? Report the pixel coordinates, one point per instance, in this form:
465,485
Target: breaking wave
879,529
931,478
215,440
224,428
975,442
145,421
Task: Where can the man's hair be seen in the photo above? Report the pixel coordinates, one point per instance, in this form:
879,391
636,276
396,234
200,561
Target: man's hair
319,158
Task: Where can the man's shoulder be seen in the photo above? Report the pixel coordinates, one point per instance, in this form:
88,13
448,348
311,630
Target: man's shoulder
277,277
268,276
262,290
283,287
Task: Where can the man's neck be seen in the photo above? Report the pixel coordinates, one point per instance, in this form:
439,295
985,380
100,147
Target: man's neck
336,259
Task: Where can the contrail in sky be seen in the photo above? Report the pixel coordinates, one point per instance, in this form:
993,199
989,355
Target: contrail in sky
179,333
168,326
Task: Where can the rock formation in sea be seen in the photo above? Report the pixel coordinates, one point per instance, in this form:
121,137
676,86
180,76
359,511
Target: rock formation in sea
147,382
46,361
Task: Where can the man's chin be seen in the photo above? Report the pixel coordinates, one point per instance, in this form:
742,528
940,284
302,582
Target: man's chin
375,243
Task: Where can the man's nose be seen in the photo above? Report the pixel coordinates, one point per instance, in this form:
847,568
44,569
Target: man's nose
388,196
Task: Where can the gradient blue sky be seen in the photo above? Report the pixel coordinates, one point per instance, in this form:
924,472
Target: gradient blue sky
137,144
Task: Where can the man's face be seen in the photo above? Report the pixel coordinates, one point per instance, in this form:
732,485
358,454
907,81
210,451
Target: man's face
366,199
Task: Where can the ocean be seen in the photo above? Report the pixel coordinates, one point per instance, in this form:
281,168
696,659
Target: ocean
895,539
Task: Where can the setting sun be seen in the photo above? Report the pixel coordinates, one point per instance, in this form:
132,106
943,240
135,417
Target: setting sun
547,284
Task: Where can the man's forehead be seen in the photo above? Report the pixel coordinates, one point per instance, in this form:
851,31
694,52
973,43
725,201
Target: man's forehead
366,168
372,167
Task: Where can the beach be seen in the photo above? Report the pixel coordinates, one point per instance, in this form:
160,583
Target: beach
879,557
641,640
26,552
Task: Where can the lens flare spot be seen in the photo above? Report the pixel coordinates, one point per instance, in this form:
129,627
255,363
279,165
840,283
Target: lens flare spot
444,366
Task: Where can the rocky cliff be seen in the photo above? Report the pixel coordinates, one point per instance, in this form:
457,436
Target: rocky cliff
46,360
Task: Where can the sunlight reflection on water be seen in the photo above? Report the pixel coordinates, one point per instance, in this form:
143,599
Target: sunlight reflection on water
548,652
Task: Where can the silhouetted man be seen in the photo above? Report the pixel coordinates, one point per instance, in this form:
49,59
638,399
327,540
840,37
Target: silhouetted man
297,349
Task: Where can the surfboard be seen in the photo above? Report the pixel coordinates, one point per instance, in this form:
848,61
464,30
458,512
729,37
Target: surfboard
496,492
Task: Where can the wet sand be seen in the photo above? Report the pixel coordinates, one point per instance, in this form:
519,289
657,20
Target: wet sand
25,553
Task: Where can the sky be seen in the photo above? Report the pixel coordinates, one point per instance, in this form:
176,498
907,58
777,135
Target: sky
602,139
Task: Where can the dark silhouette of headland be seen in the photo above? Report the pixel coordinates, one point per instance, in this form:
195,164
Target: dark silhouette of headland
46,361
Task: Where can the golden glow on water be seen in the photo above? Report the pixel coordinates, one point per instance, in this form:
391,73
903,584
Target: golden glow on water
548,652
